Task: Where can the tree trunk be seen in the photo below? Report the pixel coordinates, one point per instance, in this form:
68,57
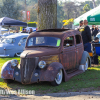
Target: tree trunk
47,14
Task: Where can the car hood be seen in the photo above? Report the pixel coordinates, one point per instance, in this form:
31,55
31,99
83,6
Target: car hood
38,52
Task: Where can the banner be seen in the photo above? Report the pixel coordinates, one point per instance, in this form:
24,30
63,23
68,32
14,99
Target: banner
28,15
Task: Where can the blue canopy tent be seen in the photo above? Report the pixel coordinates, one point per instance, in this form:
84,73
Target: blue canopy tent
8,22
5,21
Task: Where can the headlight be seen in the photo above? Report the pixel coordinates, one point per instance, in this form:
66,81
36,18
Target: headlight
14,62
42,64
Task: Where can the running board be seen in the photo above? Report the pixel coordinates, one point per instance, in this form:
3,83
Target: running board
74,74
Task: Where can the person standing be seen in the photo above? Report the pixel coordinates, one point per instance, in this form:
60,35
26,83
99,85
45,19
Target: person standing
95,56
30,30
86,36
95,32
80,24
93,27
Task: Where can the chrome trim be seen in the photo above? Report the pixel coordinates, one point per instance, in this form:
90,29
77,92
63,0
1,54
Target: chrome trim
4,55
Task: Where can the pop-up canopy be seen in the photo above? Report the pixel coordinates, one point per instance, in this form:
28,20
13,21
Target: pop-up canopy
5,21
92,16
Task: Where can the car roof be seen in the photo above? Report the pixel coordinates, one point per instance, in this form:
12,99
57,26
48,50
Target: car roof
54,32
15,35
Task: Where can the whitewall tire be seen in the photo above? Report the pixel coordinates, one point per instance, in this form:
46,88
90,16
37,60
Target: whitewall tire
58,79
86,64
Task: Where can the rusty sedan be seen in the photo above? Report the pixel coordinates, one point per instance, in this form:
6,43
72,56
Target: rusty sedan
53,55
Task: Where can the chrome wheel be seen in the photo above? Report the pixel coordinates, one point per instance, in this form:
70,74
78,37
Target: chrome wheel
86,64
58,78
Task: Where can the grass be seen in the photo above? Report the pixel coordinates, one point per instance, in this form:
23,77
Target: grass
90,80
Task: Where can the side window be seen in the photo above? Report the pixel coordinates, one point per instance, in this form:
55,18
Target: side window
69,41
30,42
23,40
78,39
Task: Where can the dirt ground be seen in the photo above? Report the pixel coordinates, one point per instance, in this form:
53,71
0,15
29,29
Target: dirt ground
94,95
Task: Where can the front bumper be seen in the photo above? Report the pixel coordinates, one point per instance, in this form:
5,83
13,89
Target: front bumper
4,55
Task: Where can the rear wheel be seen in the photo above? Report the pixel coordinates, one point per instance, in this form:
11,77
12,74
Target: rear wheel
8,80
58,79
17,54
86,64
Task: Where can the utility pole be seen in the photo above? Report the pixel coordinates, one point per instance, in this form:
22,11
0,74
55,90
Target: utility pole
94,5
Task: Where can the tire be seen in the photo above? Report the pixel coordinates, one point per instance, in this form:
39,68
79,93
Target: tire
86,64
17,54
58,79
8,81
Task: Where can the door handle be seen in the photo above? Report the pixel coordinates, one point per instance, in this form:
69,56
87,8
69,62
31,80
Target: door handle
61,52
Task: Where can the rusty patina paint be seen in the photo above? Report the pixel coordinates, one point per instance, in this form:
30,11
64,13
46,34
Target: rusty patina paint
50,72
7,71
50,59
56,58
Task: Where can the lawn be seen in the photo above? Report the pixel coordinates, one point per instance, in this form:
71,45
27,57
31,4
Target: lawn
88,81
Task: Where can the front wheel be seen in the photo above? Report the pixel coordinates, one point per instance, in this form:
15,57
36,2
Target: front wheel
58,79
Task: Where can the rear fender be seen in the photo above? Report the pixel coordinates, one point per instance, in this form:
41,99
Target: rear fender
50,73
85,55
7,71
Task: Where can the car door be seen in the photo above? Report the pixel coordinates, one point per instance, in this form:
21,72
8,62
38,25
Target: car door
69,53
22,43
79,49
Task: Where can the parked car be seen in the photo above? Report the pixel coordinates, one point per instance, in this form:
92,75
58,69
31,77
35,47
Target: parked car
98,35
12,45
53,55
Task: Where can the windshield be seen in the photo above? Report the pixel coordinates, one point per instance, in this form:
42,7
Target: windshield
7,40
44,41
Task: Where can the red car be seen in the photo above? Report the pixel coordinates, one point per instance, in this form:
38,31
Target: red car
53,55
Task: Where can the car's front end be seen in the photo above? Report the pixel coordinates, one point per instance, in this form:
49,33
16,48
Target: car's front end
32,68
37,62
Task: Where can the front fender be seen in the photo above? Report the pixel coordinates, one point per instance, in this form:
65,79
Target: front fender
7,71
50,73
85,55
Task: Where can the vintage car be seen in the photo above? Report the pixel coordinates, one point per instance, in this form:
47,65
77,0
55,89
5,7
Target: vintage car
12,45
53,55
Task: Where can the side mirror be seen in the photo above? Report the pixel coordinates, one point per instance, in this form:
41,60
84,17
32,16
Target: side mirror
19,44
67,45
